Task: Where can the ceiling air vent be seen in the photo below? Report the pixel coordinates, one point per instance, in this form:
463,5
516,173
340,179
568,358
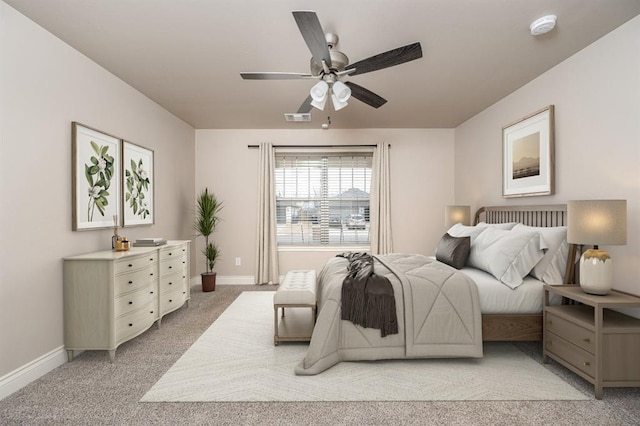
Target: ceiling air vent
297,117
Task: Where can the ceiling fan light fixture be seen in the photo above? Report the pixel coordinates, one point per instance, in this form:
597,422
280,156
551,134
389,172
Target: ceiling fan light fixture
337,103
341,91
319,104
319,91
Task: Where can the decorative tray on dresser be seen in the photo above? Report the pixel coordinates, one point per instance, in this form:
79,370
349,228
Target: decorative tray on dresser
591,339
111,297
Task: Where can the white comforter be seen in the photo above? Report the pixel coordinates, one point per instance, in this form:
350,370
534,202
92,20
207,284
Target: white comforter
437,309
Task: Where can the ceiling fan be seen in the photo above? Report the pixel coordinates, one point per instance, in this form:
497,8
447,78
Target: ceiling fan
329,66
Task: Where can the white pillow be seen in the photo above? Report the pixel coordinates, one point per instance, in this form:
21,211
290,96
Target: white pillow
508,256
551,269
460,230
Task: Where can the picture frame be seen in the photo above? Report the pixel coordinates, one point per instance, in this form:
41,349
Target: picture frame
528,158
95,178
138,185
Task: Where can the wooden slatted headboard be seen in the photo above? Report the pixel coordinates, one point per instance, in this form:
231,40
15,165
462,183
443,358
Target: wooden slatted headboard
543,215
535,215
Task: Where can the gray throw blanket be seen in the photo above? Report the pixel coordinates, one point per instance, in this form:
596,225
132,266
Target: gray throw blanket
367,298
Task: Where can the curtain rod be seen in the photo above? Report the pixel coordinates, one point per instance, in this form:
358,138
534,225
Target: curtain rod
317,146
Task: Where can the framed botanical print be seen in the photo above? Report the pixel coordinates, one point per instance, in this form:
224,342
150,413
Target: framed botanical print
138,185
528,155
95,178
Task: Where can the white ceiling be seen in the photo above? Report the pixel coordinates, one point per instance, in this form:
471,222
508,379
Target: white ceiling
187,55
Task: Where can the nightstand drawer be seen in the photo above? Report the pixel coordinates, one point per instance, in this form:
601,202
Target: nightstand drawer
572,354
574,333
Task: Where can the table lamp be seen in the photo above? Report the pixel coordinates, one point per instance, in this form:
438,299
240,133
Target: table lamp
457,214
596,222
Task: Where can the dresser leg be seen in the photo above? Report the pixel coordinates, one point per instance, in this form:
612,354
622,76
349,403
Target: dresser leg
70,355
598,392
112,356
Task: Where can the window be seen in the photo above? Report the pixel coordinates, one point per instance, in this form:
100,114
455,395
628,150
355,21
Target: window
323,199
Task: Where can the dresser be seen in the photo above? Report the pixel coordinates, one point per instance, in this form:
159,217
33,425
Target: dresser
111,297
591,339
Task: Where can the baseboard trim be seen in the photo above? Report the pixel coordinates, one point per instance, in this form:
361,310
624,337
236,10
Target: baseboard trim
228,280
22,376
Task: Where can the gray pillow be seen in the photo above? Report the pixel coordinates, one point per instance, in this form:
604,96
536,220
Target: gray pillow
453,250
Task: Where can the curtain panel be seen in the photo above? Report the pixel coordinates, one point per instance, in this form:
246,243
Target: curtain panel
267,244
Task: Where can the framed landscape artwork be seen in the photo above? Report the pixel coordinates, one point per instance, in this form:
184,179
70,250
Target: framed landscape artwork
528,155
138,185
95,179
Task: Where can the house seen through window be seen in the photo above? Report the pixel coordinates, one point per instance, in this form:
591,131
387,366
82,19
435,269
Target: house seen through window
323,199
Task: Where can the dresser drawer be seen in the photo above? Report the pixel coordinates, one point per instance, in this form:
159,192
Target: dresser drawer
135,322
168,253
171,301
134,280
171,266
170,283
135,262
572,354
132,301
575,334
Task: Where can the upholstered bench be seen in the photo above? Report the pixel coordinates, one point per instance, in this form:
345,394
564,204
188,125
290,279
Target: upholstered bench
296,292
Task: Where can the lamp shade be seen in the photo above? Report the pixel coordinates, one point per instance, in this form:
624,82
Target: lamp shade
457,214
597,222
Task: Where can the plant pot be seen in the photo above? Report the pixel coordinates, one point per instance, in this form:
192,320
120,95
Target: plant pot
208,281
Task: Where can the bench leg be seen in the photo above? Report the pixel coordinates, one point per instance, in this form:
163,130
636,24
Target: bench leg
275,326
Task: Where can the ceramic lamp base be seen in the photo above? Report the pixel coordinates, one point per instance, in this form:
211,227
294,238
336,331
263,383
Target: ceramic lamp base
596,272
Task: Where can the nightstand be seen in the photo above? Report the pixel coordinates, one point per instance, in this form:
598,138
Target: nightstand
591,339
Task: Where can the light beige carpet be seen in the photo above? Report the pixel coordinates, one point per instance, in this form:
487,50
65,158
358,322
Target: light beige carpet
235,360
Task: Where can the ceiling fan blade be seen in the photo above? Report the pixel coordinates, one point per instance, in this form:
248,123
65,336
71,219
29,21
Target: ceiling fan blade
366,95
306,106
274,75
387,59
313,35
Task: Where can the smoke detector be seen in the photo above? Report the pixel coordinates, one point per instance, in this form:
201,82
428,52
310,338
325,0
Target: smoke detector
543,25
297,117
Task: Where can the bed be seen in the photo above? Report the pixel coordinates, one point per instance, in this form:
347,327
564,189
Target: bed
447,309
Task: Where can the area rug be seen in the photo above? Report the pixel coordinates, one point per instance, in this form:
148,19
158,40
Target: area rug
235,360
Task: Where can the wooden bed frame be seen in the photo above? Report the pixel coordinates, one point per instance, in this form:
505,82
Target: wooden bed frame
497,327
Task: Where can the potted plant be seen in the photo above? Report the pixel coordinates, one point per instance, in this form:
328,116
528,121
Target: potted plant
206,221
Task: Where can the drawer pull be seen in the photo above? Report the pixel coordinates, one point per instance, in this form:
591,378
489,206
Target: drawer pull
151,311
130,302
170,283
170,300
550,322
586,363
170,267
151,259
170,254
130,324
130,265
130,282
586,339
151,274
183,262
151,293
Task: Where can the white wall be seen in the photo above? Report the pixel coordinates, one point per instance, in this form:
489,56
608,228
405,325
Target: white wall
421,178
45,85
596,94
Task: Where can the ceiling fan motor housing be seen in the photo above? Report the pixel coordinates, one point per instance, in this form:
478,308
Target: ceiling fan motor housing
338,59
